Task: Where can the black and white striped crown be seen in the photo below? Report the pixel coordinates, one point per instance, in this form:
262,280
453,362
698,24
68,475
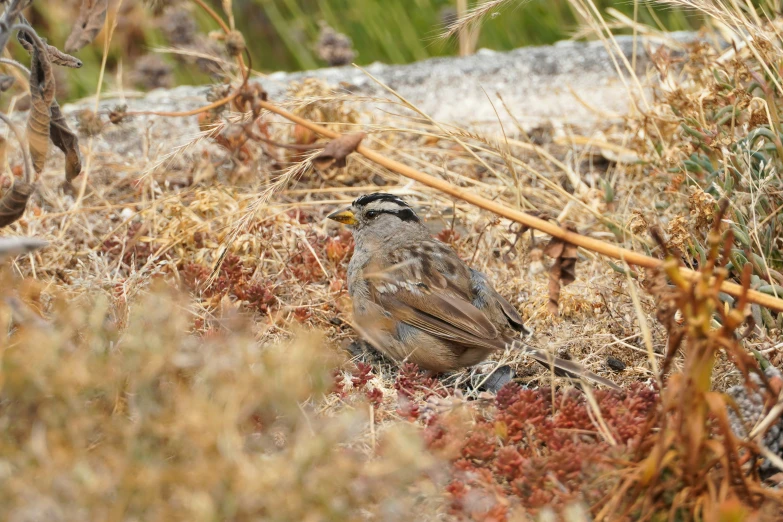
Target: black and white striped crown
363,201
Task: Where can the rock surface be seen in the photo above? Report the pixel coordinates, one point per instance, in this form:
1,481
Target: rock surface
536,84
534,81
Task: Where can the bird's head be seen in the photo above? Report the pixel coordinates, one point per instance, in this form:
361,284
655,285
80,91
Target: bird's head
377,211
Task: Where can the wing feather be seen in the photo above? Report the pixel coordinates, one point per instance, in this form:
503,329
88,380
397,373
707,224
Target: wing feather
448,323
416,291
511,313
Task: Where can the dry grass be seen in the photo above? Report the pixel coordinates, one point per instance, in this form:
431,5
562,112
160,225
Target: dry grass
130,388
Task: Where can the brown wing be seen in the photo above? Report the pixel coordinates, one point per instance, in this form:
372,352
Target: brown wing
510,312
420,294
483,291
415,290
441,316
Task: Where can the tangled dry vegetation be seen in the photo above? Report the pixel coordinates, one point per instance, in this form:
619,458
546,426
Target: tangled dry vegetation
182,348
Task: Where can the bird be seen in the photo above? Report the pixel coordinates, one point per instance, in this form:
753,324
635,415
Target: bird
416,301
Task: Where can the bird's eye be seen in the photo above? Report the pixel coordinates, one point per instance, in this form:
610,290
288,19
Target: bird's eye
372,213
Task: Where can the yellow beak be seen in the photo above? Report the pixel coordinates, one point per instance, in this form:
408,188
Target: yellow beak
343,216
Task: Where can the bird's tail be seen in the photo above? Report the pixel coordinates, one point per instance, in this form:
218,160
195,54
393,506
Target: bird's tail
562,367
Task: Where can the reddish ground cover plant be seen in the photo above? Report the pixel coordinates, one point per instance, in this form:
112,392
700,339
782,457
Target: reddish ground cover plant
631,455
526,451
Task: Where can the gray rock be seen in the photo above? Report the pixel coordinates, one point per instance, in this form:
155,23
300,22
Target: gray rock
751,410
535,83
615,364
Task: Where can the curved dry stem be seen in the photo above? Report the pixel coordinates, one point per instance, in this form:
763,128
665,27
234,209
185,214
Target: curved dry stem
14,63
31,33
246,69
8,19
211,12
226,29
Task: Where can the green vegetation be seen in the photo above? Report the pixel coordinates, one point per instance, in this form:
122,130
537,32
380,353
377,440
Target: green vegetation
401,31
283,34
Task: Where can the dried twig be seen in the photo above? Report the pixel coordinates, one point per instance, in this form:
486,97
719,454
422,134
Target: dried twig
12,11
223,101
594,245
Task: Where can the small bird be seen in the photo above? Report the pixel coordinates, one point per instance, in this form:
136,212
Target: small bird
415,300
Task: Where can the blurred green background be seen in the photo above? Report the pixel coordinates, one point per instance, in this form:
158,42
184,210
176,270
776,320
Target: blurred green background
402,31
283,34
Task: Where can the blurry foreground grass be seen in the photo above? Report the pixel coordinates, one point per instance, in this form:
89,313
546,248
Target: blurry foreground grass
147,422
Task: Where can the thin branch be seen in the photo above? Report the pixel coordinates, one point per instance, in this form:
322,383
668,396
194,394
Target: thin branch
594,245
226,29
8,19
14,63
